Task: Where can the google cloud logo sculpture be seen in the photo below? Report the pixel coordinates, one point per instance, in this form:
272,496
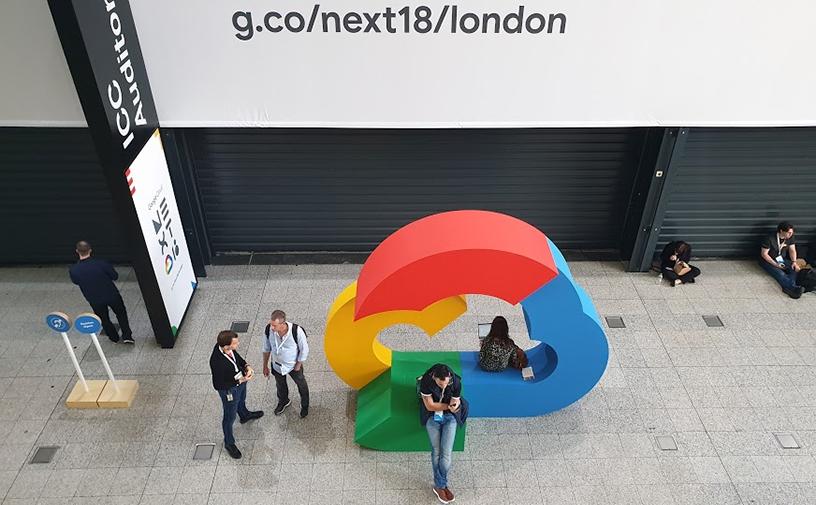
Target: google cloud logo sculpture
419,275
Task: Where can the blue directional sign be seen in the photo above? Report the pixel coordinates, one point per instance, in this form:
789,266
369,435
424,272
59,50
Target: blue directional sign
58,322
88,323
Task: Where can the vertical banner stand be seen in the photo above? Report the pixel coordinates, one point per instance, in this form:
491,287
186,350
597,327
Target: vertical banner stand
116,394
85,393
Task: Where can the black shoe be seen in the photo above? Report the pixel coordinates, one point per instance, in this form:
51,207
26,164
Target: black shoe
115,340
304,411
233,451
795,292
281,407
128,340
252,415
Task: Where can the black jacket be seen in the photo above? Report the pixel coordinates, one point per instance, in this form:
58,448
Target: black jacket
668,251
223,373
95,279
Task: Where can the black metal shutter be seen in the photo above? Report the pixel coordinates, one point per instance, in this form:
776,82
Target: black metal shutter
732,185
52,194
346,190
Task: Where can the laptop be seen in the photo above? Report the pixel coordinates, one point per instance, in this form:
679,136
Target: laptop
484,329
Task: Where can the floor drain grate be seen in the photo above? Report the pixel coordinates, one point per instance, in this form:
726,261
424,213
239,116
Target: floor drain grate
787,441
713,321
203,452
240,326
666,443
44,455
615,322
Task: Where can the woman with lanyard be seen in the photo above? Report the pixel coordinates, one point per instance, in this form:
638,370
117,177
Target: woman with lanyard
230,374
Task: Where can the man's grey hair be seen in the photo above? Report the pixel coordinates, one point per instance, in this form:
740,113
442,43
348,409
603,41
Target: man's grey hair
278,315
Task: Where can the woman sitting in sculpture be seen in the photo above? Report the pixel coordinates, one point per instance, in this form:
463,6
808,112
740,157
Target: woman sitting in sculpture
498,351
674,263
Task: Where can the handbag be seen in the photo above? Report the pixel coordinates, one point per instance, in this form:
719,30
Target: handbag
681,268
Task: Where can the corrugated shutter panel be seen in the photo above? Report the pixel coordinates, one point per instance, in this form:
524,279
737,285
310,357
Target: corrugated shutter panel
53,193
732,185
346,190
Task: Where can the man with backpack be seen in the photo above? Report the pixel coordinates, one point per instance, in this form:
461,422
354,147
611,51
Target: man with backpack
287,345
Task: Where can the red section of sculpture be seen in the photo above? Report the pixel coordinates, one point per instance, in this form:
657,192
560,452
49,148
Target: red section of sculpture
420,263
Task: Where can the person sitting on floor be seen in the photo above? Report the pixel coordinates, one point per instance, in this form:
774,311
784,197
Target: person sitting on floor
777,256
674,263
498,351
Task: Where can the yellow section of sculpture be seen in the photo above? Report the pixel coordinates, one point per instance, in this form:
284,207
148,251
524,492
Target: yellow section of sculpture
352,348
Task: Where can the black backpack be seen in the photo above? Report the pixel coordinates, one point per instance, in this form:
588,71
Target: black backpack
294,332
807,279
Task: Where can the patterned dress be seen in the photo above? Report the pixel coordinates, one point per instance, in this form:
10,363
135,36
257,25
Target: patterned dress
495,356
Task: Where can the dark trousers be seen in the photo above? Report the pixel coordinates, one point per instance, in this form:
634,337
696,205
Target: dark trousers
233,408
669,274
118,306
283,388
786,278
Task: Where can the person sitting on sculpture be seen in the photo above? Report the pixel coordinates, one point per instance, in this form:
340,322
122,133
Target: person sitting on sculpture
498,351
674,263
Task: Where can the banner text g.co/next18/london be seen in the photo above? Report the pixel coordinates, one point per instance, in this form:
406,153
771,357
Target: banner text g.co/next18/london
421,19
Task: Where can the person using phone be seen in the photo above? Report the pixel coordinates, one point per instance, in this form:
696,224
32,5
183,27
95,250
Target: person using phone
230,373
777,256
442,409
674,263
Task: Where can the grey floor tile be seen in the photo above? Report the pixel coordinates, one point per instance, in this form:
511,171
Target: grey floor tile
29,484
62,484
163,480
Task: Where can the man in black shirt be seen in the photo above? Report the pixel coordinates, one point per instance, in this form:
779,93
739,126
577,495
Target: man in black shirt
778,257
95,279
441,410
230,374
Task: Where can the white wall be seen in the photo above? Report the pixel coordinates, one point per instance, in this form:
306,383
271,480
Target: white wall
35,85
629,62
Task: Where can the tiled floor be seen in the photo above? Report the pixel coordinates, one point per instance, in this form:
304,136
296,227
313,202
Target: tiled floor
720,392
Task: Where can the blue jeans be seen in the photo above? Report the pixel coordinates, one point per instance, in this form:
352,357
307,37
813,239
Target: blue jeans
442,437
232,408
786,278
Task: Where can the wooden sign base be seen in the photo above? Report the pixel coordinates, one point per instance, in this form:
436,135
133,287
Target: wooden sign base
102,395
122,399
79,399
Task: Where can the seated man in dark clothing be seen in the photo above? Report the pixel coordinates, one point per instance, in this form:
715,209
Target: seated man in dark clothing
674,263
777,256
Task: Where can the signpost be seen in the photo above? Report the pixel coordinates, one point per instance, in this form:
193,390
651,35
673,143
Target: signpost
91,394
85,392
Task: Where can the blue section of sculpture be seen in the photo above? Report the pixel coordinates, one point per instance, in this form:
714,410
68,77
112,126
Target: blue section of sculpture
568,363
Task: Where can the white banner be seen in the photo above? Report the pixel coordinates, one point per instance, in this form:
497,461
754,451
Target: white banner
152,191
442,63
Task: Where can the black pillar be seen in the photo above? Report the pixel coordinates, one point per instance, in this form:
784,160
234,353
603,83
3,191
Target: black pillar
671,148
101,47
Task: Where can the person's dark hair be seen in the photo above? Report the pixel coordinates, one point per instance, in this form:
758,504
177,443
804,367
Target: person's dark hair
499,330
784,226
225,337
278,315
681,247
83,247
441,371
